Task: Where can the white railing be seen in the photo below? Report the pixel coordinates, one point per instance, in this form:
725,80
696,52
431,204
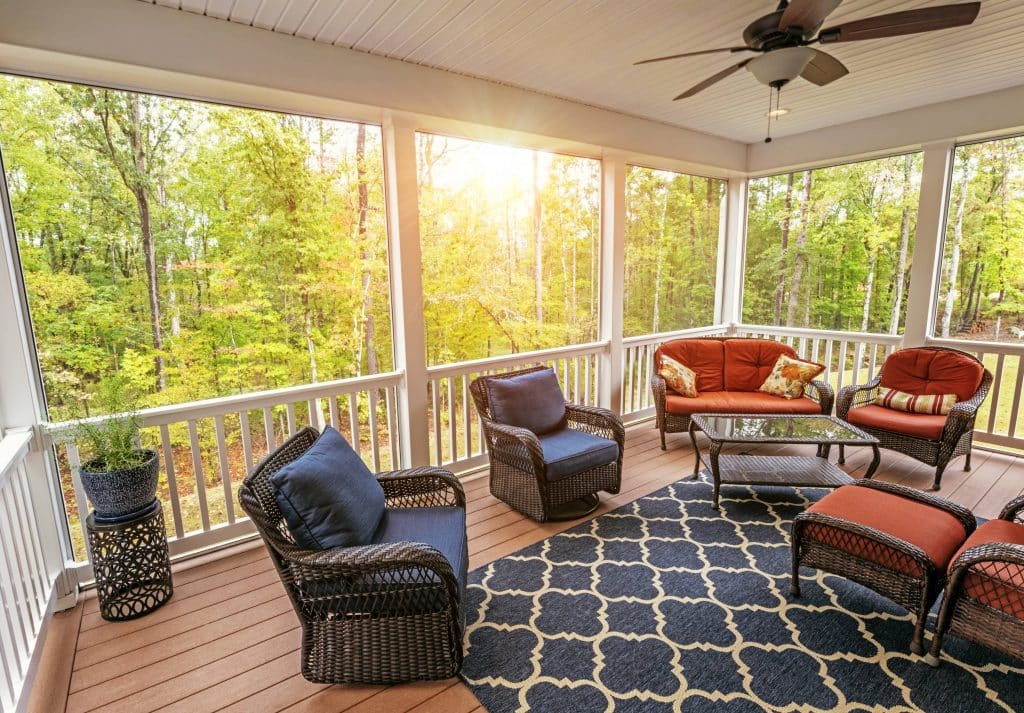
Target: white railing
207,447
456,438
1000,421
26,583
638,361
849,357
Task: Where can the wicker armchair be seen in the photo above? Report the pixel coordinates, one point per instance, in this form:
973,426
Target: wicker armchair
984,597
378,613
520,473
957,435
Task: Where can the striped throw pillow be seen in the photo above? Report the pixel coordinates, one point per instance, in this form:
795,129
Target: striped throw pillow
679,377
935,404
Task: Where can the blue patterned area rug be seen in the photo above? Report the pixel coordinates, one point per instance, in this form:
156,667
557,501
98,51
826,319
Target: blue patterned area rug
664,605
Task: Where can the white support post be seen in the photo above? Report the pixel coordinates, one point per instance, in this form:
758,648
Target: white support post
22,406
399,138
732,245
927,257
613,251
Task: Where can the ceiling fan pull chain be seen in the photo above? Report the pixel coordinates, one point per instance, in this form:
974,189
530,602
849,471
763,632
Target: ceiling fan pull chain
768,138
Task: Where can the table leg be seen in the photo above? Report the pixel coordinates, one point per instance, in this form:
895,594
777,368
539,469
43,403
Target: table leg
716,479
697,460
875,460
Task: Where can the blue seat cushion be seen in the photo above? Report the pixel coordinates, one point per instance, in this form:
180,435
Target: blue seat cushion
328,497
568,452
441,526
532,401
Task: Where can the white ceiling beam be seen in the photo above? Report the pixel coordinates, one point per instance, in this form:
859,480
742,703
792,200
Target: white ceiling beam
160,49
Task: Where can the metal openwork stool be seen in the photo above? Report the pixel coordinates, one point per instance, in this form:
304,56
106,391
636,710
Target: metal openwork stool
131,564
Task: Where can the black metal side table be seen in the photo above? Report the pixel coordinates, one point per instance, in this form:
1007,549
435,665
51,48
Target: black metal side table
131,564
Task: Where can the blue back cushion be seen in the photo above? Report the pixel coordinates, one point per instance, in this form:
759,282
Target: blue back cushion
328,497
533,401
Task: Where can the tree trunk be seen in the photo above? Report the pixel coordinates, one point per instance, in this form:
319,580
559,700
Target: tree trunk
954,257
369,328
538,254
799,258
869,286
901,259
780,285
660,259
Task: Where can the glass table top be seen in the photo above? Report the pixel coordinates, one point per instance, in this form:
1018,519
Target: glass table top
780,429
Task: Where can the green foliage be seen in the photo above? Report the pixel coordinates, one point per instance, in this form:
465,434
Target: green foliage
112,443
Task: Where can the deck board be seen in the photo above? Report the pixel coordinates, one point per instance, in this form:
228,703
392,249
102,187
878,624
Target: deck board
228,640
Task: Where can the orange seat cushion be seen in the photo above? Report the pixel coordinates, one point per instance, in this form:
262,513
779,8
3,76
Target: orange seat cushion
920,425
739,402
935,531
748,362
999,585
925,372
702,356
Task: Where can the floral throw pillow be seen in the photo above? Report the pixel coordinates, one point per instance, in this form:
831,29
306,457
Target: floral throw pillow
936,404
789,377
679,377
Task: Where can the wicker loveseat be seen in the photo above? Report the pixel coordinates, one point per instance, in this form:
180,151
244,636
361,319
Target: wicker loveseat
729,371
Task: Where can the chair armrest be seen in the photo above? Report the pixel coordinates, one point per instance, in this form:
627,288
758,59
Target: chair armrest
396,561
517,446
965,516
1002,552
821,392
962,415
856,395
598,421
1014,510
426,486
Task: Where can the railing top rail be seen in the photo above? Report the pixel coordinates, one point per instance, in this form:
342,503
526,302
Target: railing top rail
895,339
13,449
475,365
675,334
971,346
176,413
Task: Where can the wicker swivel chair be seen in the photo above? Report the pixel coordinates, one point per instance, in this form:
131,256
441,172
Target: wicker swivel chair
935,370
379,613
556,474
984,597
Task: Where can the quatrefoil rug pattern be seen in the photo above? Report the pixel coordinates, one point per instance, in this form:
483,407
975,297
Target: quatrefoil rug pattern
665,605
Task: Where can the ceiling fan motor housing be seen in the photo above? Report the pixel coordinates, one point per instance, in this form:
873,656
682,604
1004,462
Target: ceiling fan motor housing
764,33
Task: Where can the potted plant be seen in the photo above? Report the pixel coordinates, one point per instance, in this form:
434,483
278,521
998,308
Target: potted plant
120,478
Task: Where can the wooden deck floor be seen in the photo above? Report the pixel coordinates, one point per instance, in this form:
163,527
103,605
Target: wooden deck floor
228,641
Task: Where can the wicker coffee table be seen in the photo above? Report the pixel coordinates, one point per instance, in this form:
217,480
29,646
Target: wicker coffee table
745,469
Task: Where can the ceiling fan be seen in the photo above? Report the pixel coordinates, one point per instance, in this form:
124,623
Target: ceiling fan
782,40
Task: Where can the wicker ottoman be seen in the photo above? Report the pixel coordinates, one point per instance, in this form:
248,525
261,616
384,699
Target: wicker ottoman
895,540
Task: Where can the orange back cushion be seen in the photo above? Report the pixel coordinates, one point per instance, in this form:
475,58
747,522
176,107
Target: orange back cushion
702,356
924,372
748,362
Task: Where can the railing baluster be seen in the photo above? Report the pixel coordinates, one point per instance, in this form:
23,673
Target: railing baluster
225,471
467,437
268,428
290,409
197,466
172,480
858,358
452,421
81,502
994,394
389,394
576,380
1016,408
19,565
627,392
828,361
243,428
586,382
38,566
372,423
435,399
335,412
842,365
353,420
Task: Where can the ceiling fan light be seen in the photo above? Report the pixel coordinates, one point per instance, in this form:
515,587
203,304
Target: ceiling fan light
780,65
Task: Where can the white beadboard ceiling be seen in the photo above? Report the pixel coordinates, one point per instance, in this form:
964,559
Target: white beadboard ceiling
584,50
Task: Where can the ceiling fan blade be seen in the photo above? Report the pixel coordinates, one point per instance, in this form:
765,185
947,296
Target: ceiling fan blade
903,23
693,54
807,14
823,69
711,80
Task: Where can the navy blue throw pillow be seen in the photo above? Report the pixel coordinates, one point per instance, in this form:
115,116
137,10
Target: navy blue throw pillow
328,497
533,401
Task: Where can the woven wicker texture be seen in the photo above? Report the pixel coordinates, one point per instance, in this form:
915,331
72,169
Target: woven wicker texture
957,436
518,471
382,613
131,564
667,422
890,566
984,596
